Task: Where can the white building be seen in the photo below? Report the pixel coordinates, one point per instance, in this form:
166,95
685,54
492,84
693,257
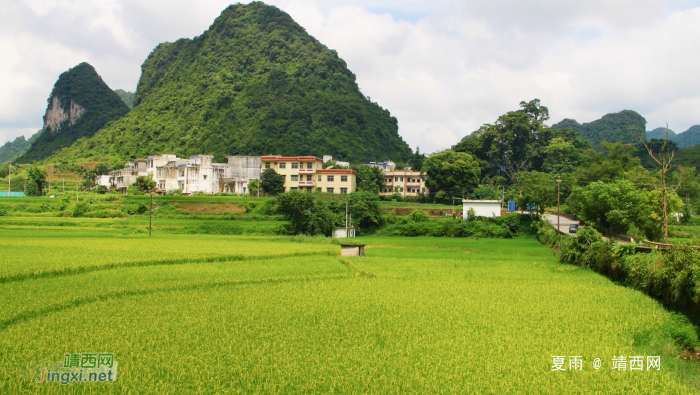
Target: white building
385,166
104,180
329,158
482,208
199,173
238,172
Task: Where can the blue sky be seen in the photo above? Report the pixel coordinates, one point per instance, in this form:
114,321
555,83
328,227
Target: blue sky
443,68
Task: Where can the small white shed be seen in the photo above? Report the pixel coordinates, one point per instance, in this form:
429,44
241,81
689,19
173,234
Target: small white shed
482,208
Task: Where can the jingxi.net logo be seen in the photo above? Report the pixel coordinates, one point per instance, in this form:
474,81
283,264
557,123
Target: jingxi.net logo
84,367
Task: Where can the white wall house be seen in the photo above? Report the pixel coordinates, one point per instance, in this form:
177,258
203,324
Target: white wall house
482,208
104,180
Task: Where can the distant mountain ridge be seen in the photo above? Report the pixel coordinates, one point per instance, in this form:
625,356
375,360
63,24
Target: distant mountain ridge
12,150
254,83
621,126
79,105
127,97
687,139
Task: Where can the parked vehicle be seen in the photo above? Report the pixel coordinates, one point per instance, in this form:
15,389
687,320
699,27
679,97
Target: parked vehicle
573,228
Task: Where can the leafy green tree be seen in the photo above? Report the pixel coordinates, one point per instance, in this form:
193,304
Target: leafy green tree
614,163
370,179
538,188
451,174
417,160
648,215
611,205
365,209
145,184
519,141
37,177
253,186
305,213
101,189
272,182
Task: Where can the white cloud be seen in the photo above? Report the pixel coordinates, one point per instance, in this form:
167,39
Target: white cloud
443,68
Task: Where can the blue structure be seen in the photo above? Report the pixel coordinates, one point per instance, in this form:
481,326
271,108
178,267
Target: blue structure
511,205
12,194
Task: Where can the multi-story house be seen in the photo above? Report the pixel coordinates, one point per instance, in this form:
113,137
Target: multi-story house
238,172
122,178
306,173
389,165
407,183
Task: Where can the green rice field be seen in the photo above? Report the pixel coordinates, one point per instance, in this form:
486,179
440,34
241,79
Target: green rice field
203,313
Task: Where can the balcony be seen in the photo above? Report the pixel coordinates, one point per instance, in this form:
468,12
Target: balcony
306,183
307,171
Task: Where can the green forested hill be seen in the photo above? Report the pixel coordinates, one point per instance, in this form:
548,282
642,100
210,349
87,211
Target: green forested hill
127,97
255,83
12,150
620,126
79,105
687,139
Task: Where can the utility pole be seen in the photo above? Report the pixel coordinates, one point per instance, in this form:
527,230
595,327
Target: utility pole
64,185
9,184
76,193
150,214
346,219
558,202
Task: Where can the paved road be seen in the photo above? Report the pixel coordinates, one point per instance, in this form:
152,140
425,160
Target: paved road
563,223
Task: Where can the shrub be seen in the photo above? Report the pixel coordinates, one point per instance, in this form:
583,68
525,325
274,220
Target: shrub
3,210
80,209
101,189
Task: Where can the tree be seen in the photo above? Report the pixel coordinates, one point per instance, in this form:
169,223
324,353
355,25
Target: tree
365,209
253,186
615,163
146,184
272,182
417,160
305,213
370,179
451,174
538,188
612,205
37,177
663,158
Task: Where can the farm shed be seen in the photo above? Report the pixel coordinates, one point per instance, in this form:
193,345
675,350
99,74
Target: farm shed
482,208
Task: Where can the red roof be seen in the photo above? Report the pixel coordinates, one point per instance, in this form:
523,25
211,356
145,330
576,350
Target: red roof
274,157
348,171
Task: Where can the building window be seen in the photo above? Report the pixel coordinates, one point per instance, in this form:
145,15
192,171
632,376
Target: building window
295,178
309,177
343,190
329,179
401,179
401,189
423,190
182,173
343,178
295,165
308,189
205,176
309,165
293,188
161,185
267,165
329,190
396,179
319,178
283,165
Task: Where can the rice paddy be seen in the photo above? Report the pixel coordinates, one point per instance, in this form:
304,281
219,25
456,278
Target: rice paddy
241,314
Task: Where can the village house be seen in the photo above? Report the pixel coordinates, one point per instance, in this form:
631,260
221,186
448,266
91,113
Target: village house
406,183
306,173
199,173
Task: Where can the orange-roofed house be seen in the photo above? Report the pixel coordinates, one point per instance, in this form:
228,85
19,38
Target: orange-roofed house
306,174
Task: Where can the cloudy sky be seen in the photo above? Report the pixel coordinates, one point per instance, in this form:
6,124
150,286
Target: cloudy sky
443,68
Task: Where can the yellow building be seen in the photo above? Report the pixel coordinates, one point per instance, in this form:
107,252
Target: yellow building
407,183
306,174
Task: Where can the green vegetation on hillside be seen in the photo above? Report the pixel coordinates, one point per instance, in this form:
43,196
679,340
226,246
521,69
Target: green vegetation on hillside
14,149
687,139
620,126
79,105
254,83
127,97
